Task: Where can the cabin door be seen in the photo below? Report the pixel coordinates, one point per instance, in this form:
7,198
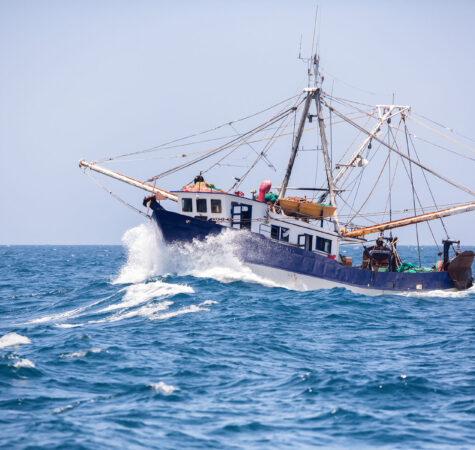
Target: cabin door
241,216
306,242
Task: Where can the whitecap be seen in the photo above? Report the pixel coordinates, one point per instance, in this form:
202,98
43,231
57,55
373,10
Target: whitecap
68,325
71,314
80,354
179,312
63,408
208,302
143,292
144,311
24,363
163,388
12,339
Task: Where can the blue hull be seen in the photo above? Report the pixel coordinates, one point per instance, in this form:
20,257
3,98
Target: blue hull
256,249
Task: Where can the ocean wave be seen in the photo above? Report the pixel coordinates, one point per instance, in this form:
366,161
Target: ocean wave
68,325
70,314
13,339
143,244
137,294
179,312
81,353
26,363
163,388
144,311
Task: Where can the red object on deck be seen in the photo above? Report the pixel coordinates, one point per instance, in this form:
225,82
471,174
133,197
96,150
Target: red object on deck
264,189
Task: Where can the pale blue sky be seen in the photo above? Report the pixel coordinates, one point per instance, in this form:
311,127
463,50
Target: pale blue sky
85,79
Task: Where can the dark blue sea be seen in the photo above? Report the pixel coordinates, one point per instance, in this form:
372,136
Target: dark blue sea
143,346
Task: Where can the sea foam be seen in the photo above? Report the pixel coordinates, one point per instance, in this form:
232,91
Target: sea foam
143,244
26,363
13,339
81,353
215,257
163,388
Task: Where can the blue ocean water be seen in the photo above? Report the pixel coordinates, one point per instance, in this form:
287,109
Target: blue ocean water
146,346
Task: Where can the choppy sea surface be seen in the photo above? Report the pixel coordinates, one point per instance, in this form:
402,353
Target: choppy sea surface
144,346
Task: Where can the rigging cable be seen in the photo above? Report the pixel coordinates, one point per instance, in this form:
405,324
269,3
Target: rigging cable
255,151
287,113
389,181
373,188
422,208
159,147
413,195
262,154
380,173
390,190
441,134
216,139
446,127
115,195
428,186
223,147
441,147
350,169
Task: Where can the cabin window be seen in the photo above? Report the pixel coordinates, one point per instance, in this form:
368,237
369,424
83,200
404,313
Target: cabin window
216,206
323,245
201,205
279,233
187,204
284,234
305,241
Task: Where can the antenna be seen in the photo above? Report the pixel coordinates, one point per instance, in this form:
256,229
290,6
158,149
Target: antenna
313,57
318,35
314,29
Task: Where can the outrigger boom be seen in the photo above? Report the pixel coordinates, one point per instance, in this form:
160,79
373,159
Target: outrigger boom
118,176
361,232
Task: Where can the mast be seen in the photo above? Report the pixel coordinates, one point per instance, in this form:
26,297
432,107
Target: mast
323,139
361,232
146,187
326,156
293,153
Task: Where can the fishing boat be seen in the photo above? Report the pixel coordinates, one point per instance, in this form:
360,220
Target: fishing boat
298,238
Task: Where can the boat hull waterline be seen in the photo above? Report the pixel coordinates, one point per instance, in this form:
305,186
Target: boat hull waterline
297,268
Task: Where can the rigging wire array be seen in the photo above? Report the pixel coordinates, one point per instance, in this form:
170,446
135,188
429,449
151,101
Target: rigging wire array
349,186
